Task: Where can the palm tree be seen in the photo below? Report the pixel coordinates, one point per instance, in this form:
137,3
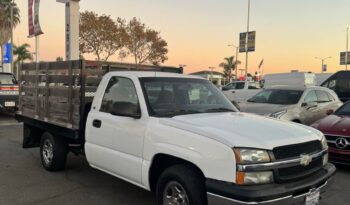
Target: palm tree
5,20
22,54
229,66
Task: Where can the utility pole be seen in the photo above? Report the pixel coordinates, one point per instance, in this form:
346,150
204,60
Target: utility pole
246,44
322,60
347,48
236,63
11,13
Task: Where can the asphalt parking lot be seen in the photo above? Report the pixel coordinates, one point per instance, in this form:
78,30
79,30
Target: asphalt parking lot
24,182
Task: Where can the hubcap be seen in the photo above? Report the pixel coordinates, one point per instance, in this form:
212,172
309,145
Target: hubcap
47,152
175,194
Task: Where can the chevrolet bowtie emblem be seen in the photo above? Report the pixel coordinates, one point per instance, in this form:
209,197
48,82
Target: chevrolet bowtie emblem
305,160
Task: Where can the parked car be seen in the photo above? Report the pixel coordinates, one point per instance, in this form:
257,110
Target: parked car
240,91
340,83
173,134
336,128
8,91
302,105
293,79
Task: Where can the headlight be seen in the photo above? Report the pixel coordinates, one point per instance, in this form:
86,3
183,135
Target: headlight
325,159
251,156
251,178
278,114
324,143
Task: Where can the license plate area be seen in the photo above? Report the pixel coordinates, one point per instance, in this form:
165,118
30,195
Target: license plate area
313,198
10,104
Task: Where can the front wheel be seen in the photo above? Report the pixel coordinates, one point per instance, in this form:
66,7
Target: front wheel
181,185
53,152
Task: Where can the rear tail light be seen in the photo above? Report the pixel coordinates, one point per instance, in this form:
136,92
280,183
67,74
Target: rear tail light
9,88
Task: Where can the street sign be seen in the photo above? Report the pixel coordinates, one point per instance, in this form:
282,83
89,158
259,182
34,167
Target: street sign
343,57
6,58
324,68
251,42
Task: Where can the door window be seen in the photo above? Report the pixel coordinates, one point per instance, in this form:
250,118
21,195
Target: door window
322,97
119,89
311,97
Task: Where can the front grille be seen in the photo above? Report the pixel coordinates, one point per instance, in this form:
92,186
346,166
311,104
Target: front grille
291,173
332,142
293,151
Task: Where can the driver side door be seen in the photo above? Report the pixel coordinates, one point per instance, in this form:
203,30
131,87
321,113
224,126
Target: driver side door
309,109
115,143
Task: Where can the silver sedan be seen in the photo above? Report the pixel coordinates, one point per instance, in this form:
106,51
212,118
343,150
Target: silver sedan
304,105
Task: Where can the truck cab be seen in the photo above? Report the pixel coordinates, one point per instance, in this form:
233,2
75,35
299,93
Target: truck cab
340,83
240,91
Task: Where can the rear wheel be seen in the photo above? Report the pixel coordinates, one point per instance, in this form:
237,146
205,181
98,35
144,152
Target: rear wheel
181,185
53,152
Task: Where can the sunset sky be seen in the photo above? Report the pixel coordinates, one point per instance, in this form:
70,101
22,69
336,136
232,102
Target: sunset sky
290,33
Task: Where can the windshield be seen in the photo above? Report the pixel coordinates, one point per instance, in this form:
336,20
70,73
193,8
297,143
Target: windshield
168,97
7,79
280,97
344,110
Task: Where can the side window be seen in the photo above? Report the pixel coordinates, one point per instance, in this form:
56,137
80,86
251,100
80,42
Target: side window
330,96
322,96
119,89
240,86
332,84
311,97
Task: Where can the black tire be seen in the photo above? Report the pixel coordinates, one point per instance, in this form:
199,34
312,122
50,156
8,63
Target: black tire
54,158
188,178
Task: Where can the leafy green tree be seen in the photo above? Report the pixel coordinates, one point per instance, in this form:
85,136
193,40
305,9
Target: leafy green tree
145,44
229,66
5,20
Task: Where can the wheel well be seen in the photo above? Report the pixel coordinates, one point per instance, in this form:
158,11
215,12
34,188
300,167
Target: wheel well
161,162
296,121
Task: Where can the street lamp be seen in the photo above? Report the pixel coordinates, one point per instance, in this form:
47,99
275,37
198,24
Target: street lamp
323,59
236,63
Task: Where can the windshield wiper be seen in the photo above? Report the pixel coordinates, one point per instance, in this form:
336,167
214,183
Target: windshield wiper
222,109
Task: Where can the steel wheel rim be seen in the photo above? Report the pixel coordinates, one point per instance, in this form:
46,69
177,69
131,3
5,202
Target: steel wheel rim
175,194
47,152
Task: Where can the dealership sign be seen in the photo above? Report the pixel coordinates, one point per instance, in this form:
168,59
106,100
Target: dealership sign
243,45
33,18
343,58
6,58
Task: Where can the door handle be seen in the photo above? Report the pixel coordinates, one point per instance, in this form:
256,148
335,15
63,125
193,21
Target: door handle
233,91
97,123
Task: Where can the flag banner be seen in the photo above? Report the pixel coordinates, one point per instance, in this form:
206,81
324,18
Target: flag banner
261,63
33,21
30,18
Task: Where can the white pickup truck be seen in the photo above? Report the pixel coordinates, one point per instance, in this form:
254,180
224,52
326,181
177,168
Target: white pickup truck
175,135
241,91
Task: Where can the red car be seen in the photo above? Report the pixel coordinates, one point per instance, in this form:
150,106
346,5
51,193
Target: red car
336,128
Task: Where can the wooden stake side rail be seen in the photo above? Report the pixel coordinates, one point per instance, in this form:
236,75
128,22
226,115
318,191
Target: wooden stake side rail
60,93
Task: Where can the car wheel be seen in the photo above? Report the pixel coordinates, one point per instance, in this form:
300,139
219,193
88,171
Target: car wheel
181,185
53,152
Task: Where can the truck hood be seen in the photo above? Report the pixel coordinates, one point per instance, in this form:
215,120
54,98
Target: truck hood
262,108
244,130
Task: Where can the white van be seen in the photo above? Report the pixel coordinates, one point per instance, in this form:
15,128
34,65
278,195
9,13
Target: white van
294,79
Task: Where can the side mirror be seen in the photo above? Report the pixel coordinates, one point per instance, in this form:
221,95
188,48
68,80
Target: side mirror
125,109
329,112
309,105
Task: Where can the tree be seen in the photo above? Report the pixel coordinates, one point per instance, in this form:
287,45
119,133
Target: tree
5,20
229,66
59,58
100,35
145,44
22,53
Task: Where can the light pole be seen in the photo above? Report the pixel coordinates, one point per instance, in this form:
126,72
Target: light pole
347,48
236,63
11,9
246,45
323,59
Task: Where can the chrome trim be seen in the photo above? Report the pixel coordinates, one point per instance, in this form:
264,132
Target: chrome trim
277,164
273,200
